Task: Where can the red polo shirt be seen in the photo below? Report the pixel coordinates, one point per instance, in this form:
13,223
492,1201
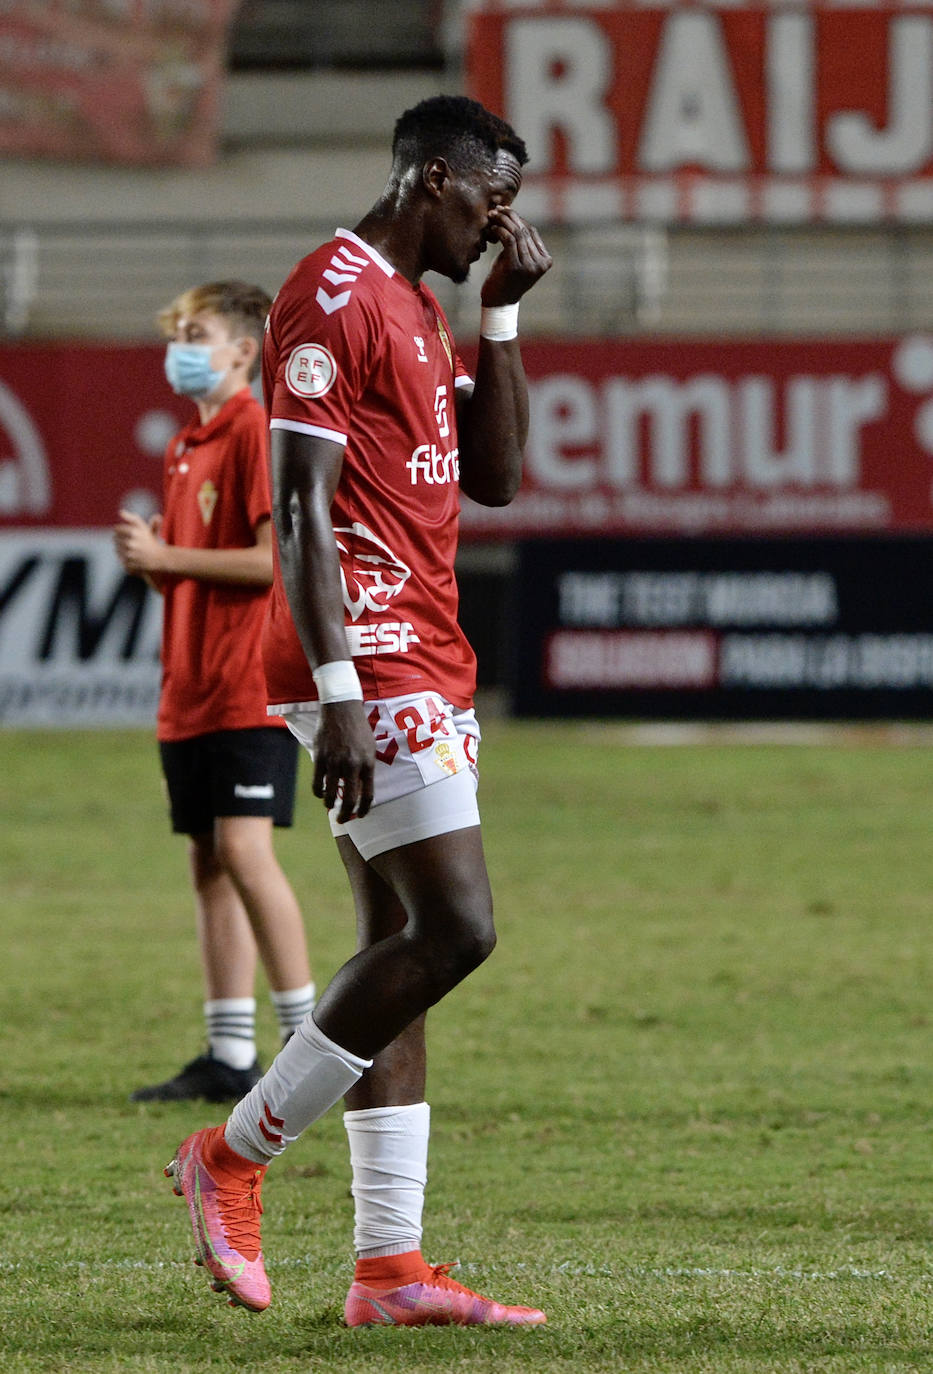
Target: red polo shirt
216,486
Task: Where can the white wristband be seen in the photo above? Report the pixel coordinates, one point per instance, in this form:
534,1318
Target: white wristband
337,682
499,322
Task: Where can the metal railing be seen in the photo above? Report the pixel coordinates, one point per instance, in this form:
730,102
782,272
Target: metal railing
95,281
84,280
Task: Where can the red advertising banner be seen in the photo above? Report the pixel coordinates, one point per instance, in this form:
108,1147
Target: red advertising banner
692,437
83,430
716,112
642,437
795,442
127,81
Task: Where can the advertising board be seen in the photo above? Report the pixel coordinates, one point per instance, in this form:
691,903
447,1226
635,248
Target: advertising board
697,449
123,81
817,628
719,112
79,638
82,432
689,436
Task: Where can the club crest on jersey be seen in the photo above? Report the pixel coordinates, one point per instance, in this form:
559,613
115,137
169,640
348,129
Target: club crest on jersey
370,573
311,371
207,500
419,344
445,340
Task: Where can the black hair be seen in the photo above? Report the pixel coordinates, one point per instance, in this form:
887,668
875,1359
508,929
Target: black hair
456,128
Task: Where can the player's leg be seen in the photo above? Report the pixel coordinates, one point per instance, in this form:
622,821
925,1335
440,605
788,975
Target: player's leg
397,1076
441,886
255,775
386,1117
388,1126
447,908
377,994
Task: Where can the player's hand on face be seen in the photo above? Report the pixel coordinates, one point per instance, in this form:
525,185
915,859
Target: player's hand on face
522,261
344,759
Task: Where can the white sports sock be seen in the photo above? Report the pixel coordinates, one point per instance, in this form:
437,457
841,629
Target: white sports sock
292,1006
231,1030
389,1157
304,1080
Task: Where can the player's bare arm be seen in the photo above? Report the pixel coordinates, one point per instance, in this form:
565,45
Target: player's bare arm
492,419
305,472
142,551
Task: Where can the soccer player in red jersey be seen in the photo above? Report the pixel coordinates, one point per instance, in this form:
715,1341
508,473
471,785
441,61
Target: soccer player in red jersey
376,427
229,769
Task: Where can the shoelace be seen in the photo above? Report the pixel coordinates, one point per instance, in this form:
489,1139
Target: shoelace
241,1208
441,1276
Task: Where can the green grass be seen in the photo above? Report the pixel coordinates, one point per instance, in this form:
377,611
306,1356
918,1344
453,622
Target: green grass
687,1107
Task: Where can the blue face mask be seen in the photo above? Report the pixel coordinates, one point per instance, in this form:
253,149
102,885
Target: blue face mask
188,369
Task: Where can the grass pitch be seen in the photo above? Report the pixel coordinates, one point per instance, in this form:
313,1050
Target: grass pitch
686,1107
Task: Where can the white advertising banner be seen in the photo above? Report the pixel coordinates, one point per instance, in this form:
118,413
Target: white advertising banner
79,638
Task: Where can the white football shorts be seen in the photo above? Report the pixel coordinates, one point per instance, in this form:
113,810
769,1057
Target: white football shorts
425,778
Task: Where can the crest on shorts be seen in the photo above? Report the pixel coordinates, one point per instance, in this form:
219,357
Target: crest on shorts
445,757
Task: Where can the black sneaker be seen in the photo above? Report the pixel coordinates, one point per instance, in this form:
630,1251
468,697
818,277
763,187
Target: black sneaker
205,1077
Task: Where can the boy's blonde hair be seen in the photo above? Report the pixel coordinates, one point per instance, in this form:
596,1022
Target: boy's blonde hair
244,306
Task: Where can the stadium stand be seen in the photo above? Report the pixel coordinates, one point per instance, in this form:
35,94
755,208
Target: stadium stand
310,94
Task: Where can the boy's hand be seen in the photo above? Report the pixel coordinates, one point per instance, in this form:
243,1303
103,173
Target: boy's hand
138,545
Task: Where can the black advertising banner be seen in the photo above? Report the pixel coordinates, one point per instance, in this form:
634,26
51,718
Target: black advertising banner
738,629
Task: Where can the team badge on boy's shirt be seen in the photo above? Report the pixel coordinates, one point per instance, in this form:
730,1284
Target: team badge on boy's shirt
207,500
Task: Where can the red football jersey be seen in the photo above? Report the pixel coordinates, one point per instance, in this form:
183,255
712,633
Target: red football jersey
216,484
354,353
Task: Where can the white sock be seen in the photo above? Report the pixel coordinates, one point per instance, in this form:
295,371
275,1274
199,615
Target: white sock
292,1006
389,1157
304,1080
231,1030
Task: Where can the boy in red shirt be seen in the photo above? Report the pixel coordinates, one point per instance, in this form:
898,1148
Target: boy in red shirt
229,769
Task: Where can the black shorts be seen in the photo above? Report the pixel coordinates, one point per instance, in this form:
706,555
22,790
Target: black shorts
230,773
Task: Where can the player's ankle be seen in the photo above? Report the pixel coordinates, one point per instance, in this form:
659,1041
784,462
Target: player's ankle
390,1271
219,1154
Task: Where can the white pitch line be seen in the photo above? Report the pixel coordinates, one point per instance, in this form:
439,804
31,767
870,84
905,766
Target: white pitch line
568,1267
666,734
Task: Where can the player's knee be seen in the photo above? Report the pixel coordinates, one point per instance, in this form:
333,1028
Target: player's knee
480,943
470,939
